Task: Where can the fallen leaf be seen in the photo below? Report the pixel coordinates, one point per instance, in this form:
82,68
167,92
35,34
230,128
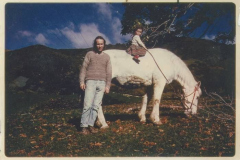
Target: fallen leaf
36,146
230,144
23,135
230,134
186,145
98,144
40,136
52,137
21,151
220,154
149,144
118,121
176,153
160,150
203,149
32,142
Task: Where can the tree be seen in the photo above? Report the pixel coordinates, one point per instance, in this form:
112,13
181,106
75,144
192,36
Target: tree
167,20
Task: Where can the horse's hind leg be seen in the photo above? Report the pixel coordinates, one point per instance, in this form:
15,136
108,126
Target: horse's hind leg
101,122
158,90
146,98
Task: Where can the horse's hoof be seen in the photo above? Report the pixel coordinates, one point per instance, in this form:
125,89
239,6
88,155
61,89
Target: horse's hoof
104,127
143,122
157,123
98,123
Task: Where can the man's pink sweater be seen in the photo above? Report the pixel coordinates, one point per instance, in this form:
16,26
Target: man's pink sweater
96,67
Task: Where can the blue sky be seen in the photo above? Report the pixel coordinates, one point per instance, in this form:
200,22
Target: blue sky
69,25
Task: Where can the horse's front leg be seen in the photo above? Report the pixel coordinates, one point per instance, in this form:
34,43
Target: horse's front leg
142,112
158,90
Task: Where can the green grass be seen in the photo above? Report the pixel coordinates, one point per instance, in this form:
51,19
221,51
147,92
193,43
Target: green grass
47,125
22,101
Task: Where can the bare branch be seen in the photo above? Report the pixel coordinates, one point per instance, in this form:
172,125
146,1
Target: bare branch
167,29
220,114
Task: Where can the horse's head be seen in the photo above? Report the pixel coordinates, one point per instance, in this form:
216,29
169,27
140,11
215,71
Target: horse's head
190,100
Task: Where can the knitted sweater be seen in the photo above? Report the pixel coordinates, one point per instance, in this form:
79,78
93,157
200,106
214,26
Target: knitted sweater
96,67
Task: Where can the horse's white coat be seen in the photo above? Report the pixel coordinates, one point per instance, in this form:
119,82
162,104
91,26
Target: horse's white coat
127,71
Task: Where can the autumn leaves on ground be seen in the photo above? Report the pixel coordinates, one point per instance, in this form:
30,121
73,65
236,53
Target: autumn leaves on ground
48,126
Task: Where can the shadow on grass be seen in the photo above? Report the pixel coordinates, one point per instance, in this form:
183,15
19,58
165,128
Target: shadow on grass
109,117
172,113
76,122
126,117
122,117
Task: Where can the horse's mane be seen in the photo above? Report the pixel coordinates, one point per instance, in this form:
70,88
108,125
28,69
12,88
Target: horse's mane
182,73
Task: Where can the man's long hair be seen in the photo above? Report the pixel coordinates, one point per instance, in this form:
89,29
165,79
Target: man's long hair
95,43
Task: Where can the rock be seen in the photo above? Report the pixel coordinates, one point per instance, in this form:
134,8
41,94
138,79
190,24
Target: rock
19,82
40,89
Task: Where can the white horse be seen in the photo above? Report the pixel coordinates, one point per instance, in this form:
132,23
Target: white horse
147,73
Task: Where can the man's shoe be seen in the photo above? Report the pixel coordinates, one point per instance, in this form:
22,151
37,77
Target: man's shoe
84,131
93,130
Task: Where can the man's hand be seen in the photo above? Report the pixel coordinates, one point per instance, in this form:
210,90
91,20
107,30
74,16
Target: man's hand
83,86
106,90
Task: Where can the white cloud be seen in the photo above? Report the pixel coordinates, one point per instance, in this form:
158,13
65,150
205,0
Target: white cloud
147,22
84,38
212,38
25,33
114,22
40,38
33,37
116,30
56,31
209,37
105,10
234,41
71,25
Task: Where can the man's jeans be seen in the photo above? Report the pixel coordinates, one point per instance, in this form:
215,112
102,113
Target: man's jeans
93,99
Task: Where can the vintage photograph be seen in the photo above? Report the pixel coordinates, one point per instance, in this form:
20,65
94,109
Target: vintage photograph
103,79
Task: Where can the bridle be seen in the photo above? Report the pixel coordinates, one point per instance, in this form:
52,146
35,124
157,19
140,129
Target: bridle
196,88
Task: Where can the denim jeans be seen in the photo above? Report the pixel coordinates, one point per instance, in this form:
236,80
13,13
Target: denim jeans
93,99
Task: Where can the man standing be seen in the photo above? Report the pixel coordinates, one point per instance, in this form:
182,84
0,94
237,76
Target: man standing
95,78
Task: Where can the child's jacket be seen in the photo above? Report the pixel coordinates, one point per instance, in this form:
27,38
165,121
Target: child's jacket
137,47
137,41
